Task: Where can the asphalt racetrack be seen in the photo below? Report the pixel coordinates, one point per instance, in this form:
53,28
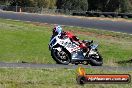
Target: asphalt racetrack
118,26
58,66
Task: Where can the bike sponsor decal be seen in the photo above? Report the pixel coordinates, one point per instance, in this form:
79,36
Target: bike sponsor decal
83,78
74,49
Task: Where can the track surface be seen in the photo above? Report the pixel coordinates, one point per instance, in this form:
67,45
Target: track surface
41,66
125,27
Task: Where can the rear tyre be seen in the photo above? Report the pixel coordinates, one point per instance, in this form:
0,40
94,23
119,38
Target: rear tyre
96,60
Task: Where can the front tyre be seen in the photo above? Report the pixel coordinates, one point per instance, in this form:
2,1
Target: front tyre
61,57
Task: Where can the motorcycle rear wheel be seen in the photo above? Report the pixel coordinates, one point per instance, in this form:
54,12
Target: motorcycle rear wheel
96,61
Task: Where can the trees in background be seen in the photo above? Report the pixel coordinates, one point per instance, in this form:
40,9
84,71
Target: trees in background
80,5
126,5
110,5
96,5
34,3
20,3
44,3
5,2
104,5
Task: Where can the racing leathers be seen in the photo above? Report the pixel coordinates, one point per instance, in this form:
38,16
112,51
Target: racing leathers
74,39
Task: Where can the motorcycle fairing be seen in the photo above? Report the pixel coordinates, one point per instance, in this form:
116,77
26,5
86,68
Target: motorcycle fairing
71,47
77,55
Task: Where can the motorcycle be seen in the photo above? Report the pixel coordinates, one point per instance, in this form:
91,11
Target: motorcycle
64,51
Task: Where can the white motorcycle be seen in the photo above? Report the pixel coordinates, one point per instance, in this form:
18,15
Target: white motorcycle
64,51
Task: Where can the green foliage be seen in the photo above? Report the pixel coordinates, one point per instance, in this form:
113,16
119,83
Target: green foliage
5,2
81,5
111,5
126,5
104,5
34,3
45,3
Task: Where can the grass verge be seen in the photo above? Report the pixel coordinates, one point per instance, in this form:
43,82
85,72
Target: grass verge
51,78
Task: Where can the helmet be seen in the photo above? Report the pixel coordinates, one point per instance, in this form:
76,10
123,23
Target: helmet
57,30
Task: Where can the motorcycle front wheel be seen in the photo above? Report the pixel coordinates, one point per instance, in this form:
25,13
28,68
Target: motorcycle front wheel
61,57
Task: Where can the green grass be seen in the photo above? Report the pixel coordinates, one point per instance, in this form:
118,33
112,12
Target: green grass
24,42
51,78
28,42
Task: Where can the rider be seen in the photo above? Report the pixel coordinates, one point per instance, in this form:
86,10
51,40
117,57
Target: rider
58,30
